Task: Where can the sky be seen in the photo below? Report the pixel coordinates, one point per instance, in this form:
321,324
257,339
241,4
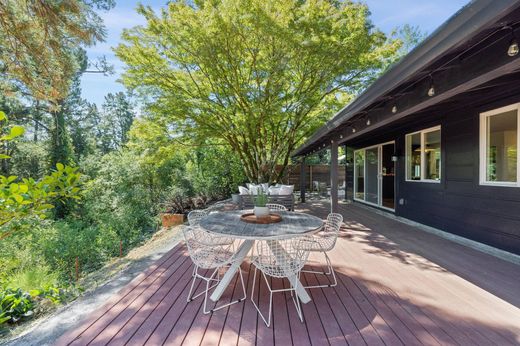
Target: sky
386,16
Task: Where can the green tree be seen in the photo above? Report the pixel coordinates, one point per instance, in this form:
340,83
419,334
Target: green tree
116,120
38,40
252,73
23,199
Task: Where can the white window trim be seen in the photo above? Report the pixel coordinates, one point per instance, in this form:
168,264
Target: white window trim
423,166
483,146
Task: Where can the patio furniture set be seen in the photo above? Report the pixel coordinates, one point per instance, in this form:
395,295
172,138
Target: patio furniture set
221,241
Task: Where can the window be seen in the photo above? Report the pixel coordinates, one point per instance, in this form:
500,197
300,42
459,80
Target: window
499,130
423,155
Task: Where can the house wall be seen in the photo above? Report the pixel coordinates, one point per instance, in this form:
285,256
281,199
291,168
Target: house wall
458,204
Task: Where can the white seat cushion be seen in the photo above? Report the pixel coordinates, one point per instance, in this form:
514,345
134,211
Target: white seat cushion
286,190
243,191
273,190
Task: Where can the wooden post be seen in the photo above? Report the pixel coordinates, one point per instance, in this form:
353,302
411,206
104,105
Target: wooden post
311,187
302,180
120,248
334,177
77,268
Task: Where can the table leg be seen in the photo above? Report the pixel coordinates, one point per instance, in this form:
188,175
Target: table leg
277,249
241,254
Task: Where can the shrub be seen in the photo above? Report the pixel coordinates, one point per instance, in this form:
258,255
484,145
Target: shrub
67,240
15,304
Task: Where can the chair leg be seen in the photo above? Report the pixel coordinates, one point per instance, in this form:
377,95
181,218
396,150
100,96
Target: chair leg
205,309
330,271
296,301
190,298
268,320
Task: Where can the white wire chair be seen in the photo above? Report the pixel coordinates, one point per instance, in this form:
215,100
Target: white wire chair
208,238
276,207
324,241
209,258
279,259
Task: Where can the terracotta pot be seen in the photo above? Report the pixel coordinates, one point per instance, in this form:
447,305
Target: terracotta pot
170,220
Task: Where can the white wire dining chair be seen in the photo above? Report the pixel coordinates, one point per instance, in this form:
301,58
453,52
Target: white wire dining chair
208,238
276,207
209,258
278,259
324,241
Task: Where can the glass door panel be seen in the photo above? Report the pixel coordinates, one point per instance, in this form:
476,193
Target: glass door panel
372,175
387,176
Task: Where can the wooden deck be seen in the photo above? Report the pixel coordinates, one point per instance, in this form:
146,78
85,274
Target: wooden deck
397,285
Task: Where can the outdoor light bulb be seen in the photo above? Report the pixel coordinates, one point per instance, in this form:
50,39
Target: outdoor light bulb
340,136
368,122
431,91
513,48
331,141
394,109
353,130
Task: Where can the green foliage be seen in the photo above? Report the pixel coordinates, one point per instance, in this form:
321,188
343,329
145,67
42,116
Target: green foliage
28,160
38,40
22,199
260,199
30,277
15,305
118,116
256,75
66,240
215,171
123,196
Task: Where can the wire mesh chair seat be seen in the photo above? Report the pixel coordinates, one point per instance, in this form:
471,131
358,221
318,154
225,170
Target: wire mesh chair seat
276,207
206,237
279,259
209,258
324,241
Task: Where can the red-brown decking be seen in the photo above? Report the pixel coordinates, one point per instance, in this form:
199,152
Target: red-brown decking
397,285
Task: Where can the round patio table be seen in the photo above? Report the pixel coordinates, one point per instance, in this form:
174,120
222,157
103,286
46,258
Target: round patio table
228,224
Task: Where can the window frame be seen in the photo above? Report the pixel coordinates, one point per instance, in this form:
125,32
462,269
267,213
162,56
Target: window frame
483,131
423,156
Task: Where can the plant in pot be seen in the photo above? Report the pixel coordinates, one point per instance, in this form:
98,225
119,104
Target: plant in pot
260,202
175,206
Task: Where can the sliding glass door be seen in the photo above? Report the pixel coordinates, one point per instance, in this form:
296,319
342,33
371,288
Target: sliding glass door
374,175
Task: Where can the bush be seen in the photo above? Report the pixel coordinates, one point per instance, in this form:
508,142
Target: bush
122,198
67,240
15,304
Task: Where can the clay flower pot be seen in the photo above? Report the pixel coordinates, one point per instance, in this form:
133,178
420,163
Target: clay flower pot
170,220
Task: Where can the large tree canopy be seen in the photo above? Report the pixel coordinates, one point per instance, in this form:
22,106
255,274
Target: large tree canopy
38,42
260,75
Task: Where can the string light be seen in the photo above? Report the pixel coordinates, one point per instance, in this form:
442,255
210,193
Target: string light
513,49
394,109
368,122
431,90
353,130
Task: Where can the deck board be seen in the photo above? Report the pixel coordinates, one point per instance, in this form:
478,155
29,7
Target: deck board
396,285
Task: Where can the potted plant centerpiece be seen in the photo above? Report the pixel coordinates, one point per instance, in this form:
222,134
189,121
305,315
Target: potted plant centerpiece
260,201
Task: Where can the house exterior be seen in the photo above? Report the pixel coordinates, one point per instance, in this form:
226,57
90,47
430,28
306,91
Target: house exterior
435,139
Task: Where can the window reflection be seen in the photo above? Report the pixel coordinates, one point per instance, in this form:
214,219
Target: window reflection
432,154
501,148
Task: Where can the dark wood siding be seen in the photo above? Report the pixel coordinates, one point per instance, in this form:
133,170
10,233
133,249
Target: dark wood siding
458,204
